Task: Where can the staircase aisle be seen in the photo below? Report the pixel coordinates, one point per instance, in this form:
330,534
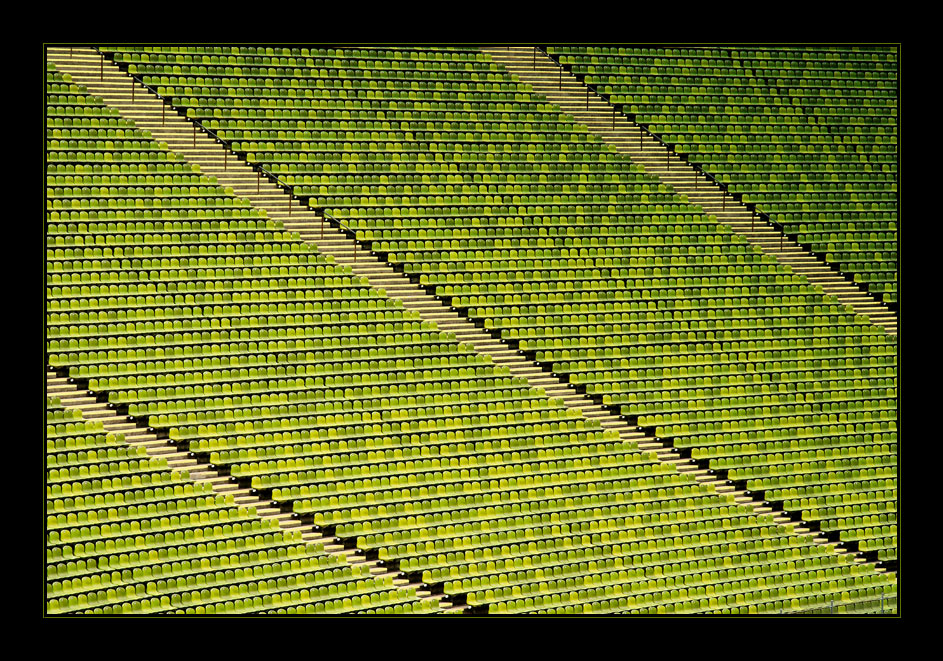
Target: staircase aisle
72,397
560,87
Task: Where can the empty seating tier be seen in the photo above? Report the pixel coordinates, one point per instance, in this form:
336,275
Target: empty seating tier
126,534
191,308
808,134
530,224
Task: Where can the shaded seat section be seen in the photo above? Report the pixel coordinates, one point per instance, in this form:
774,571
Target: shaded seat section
808,134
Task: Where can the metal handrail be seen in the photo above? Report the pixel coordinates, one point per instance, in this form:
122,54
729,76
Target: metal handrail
608,99
342,224
698,168
216,136
259,168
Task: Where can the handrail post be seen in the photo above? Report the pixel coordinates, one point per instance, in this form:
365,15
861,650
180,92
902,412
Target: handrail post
535,58
132,90
782,231
225,158
560,72
587,97
258,181
163,111
101,69
355,248
668,158
322,224
753,220
194,135
613,118
289,205
641,133
724,198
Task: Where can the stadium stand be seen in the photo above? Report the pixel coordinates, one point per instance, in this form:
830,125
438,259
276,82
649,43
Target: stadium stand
128,534
808,134
561,87
204,317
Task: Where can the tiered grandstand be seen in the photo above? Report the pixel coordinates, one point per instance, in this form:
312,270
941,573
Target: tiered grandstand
809,135
462,330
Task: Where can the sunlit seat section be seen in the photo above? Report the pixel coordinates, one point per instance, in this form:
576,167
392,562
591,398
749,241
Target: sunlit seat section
126,534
